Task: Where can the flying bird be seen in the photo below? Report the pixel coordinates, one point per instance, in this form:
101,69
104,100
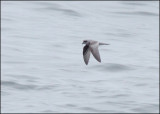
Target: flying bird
91,47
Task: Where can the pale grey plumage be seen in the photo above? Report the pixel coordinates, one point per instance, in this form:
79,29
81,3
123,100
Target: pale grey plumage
91,46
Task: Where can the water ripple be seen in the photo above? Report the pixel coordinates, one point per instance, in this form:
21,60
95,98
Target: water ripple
134,3
4,93
16,85
140,13
24,87
113,67
55,7
91,109
7,19
48,111
146,108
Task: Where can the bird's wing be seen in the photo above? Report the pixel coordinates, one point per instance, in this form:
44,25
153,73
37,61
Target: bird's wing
86,54
95,52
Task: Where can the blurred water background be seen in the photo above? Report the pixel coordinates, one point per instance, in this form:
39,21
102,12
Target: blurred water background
42,67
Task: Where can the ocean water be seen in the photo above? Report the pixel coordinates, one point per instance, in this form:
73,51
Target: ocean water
42,67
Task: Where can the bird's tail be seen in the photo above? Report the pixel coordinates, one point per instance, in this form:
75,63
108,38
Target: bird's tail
103,44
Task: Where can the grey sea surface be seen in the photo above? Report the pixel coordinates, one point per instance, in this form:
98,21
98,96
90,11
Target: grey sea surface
42,67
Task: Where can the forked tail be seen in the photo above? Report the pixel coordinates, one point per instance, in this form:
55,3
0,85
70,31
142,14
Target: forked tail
103,44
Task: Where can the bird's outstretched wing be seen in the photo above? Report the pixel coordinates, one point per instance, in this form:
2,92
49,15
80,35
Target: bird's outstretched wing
95,51
86,54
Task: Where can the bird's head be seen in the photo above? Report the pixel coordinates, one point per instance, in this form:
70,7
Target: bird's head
85,41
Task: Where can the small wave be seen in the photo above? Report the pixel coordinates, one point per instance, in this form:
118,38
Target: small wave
113,67
48,111
92,109
147,108
21,76
4,93
121,34
65,11
6,29
141,13
134,3
14,62
120,95
68,105
19,86
55,7
7,19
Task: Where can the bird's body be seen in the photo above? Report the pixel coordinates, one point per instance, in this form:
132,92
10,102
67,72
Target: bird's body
91,46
